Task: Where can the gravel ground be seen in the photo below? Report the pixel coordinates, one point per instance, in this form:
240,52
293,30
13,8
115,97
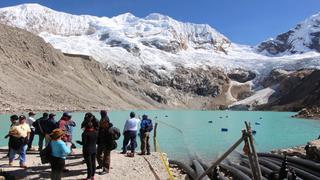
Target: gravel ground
122,167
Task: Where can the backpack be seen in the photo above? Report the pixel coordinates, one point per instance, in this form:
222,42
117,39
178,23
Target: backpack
114,145
115,133
45,154
148,126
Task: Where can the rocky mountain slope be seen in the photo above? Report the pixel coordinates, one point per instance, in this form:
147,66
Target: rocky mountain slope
36,76
151,62
305,37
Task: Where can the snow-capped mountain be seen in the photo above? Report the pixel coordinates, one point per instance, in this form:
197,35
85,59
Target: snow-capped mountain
305,37
156,40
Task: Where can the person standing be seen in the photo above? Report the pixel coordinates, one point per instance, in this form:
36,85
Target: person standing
18,141
89,142
59,151
30,122
49,125
145,129
106,143
14,122
67,125
130,133
39,130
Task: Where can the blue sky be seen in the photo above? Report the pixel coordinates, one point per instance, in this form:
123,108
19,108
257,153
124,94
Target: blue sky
242,21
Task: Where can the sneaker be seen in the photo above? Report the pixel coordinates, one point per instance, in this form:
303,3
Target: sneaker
148,153
142,153
66,170
123,152
99,167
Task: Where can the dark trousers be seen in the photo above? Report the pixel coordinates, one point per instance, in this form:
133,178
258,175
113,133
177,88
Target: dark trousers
145,142
104,157
31,139
91,164
57,166
41,139
129,136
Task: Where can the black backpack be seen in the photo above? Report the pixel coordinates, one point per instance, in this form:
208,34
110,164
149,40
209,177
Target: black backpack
115,133
45,154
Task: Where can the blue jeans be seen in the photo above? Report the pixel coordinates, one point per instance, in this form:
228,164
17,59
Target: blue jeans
21,152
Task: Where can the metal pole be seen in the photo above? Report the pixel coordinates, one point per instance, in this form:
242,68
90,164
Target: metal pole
234,146
155,137
254,153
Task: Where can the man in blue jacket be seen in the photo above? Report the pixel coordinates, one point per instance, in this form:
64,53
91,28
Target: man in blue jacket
145,129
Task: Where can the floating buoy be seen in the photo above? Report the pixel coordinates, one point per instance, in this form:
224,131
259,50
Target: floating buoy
224,129
166,116
209,121
220,117
257,123
227,116
254,132
260,118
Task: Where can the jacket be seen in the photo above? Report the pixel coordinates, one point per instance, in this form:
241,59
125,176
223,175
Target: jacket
105,138
89,141
49,125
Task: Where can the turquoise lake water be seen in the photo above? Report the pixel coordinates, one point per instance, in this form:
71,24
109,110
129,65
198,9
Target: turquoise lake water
182,133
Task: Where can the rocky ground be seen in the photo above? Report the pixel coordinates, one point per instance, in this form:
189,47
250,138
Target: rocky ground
310,151
122,167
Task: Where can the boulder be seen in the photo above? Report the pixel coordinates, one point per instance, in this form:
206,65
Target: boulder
241,75
313,150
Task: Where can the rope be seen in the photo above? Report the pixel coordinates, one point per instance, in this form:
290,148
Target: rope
166,164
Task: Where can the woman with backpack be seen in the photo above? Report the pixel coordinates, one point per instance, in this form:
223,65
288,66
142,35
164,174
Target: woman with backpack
107,137
59,151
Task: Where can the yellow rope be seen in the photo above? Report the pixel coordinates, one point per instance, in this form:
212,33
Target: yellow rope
164,161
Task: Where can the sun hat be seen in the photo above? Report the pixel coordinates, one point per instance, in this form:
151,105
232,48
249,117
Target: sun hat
56,133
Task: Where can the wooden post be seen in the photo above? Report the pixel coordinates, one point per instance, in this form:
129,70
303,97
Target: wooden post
234,146
155,137
251,163
254,153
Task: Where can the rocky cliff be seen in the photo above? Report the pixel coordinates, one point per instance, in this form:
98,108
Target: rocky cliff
36,76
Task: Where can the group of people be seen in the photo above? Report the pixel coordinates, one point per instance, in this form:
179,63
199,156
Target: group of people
98,139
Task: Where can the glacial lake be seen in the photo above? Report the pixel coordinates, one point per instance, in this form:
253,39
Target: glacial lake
184,133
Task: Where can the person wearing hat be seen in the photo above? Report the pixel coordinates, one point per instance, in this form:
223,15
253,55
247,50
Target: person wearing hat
38,125
20,134
30,122
59,151
130,133
49,125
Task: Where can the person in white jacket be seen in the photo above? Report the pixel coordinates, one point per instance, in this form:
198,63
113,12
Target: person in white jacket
130,134
30,121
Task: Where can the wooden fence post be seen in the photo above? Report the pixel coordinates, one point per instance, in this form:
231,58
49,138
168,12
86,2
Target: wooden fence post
155,137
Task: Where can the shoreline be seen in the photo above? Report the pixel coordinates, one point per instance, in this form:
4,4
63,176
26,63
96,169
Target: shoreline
298,115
